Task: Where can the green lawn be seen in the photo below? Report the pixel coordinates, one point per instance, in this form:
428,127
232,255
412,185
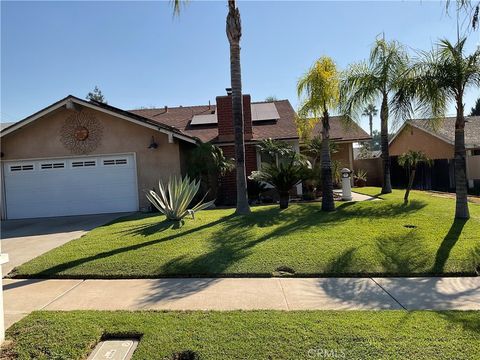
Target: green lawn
365,238
253,334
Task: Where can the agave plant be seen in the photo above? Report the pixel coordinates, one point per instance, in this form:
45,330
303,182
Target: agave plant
174,199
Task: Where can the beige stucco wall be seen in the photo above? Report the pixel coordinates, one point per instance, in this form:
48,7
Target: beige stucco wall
344,155
41,139
412,138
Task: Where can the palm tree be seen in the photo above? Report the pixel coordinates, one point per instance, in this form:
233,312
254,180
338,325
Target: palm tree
410,160
364,83
370,111
320,89
437,78
234,33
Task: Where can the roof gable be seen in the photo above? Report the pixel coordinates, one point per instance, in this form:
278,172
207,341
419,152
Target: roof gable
445,130
71,100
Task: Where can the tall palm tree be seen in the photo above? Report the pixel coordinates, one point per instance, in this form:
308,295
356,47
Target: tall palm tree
379,78
410,160
319,90
234,34
370,111
437,78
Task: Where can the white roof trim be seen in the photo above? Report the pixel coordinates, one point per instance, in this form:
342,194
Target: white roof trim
49,109
28,120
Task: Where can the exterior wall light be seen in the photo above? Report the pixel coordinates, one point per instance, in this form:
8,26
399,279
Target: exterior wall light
153,145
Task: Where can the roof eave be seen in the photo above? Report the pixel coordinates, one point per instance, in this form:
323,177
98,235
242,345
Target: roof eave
125,115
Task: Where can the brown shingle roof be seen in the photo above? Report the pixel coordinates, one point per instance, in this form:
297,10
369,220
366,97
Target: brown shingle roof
180,117
341,131
445,129
284,128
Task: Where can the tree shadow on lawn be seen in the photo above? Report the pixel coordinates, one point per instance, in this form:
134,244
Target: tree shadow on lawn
405,255
233,241
447,245
162,226
154,228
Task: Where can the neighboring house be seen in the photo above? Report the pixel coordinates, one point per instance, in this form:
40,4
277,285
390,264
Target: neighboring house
79,157
438,144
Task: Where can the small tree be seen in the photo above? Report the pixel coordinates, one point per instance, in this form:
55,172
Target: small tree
271,98
319,89
287,170
410,161
96,95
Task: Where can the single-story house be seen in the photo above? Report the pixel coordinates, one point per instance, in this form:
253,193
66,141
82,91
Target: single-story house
437,142
83,157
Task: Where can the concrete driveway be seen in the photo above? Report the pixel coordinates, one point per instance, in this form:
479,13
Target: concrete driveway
26,239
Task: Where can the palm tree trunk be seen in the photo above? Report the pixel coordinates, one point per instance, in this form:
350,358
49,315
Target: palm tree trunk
328,203
387,185
234,33
370,118
409,186
284,198
461,190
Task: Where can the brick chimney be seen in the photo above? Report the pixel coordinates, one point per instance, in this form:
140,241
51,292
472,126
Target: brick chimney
225,119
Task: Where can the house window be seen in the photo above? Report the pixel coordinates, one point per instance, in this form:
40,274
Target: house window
267,159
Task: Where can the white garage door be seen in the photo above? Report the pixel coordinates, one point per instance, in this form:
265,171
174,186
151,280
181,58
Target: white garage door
70,186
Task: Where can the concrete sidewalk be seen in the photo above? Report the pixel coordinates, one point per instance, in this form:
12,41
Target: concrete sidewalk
23,296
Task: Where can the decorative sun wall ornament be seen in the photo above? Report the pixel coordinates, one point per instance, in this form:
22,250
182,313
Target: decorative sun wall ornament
81,133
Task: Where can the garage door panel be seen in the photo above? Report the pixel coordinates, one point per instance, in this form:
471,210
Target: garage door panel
47,191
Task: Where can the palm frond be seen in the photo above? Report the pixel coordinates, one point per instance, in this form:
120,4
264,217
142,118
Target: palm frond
359,86
319,88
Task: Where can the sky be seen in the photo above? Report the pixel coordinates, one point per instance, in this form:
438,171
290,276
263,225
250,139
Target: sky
140,55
